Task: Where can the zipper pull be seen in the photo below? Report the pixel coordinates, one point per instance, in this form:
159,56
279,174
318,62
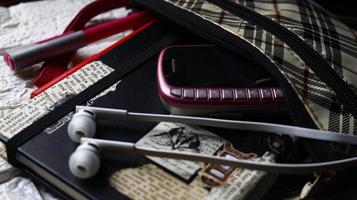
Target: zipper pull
309,187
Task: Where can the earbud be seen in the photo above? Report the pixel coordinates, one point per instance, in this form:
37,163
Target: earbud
85,160
83,124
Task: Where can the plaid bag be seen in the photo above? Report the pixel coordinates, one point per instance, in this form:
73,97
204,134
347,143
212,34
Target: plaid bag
306,48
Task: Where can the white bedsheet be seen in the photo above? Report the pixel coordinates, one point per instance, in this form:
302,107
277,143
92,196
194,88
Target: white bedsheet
22,24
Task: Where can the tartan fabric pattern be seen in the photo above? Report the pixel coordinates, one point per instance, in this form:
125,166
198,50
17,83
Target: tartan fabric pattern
335,41
322,31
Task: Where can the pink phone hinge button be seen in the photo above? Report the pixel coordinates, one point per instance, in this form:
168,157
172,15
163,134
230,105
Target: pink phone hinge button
188,93
177,92
214,94
202,94
227,94
241,94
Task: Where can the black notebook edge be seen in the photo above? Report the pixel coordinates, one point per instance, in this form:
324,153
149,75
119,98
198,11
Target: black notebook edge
134,51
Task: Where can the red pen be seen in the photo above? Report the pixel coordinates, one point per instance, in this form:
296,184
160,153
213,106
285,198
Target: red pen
24,56
93,57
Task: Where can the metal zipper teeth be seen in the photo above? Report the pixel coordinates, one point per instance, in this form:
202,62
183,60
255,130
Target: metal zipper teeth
101,85
312,58
186,20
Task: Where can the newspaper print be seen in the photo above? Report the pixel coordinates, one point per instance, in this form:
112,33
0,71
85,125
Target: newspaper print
179,137
29,112
198,181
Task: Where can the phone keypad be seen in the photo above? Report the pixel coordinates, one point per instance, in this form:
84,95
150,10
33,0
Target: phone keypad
216,94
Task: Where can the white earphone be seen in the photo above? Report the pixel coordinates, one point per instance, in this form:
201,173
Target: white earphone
82,125
85,161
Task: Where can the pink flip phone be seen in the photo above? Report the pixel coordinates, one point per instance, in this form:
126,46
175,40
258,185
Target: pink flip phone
202,79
